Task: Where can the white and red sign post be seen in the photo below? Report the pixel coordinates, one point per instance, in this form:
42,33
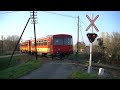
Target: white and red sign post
91,25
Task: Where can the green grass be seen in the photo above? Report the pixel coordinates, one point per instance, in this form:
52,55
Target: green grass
84,75
1,54
5,53
80,57
15,60
19,70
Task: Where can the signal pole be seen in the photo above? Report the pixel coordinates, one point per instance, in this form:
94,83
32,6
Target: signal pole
34,22
90,61
93,25
77,39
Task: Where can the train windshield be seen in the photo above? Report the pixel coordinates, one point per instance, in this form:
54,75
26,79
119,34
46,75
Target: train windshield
67,41
62,41
58,41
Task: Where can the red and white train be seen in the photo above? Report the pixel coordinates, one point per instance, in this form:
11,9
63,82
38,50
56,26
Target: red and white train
54,45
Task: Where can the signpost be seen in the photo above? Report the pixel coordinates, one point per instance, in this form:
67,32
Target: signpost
91,37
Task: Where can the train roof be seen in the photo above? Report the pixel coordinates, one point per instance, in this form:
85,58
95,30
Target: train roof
48,36
62,34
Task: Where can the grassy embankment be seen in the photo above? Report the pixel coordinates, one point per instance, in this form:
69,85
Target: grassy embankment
19,66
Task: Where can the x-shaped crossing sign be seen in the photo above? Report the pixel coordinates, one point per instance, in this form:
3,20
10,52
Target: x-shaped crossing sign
92,22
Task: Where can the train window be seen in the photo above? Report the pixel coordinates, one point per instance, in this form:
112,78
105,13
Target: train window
67,41
41,43
45,42
36,43
49,43
58,41
24,44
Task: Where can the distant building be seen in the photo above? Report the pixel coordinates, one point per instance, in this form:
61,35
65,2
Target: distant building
104,34
81,47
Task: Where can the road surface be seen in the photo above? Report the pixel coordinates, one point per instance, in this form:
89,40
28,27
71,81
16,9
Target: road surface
53,70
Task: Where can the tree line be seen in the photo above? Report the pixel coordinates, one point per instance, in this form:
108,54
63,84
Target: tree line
7,44
105,50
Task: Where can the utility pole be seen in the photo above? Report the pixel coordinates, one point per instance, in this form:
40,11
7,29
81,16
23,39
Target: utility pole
34,22
77,39
18,42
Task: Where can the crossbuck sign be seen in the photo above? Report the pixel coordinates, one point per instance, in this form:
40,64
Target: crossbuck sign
92,23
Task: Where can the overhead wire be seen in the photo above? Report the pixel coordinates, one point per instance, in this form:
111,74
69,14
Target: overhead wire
4,12
60,14
68,16
65,16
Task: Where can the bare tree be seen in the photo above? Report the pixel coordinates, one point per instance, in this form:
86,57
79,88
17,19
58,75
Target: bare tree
110,50
10,42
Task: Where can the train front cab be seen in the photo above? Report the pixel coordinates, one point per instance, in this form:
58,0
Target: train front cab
62,45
